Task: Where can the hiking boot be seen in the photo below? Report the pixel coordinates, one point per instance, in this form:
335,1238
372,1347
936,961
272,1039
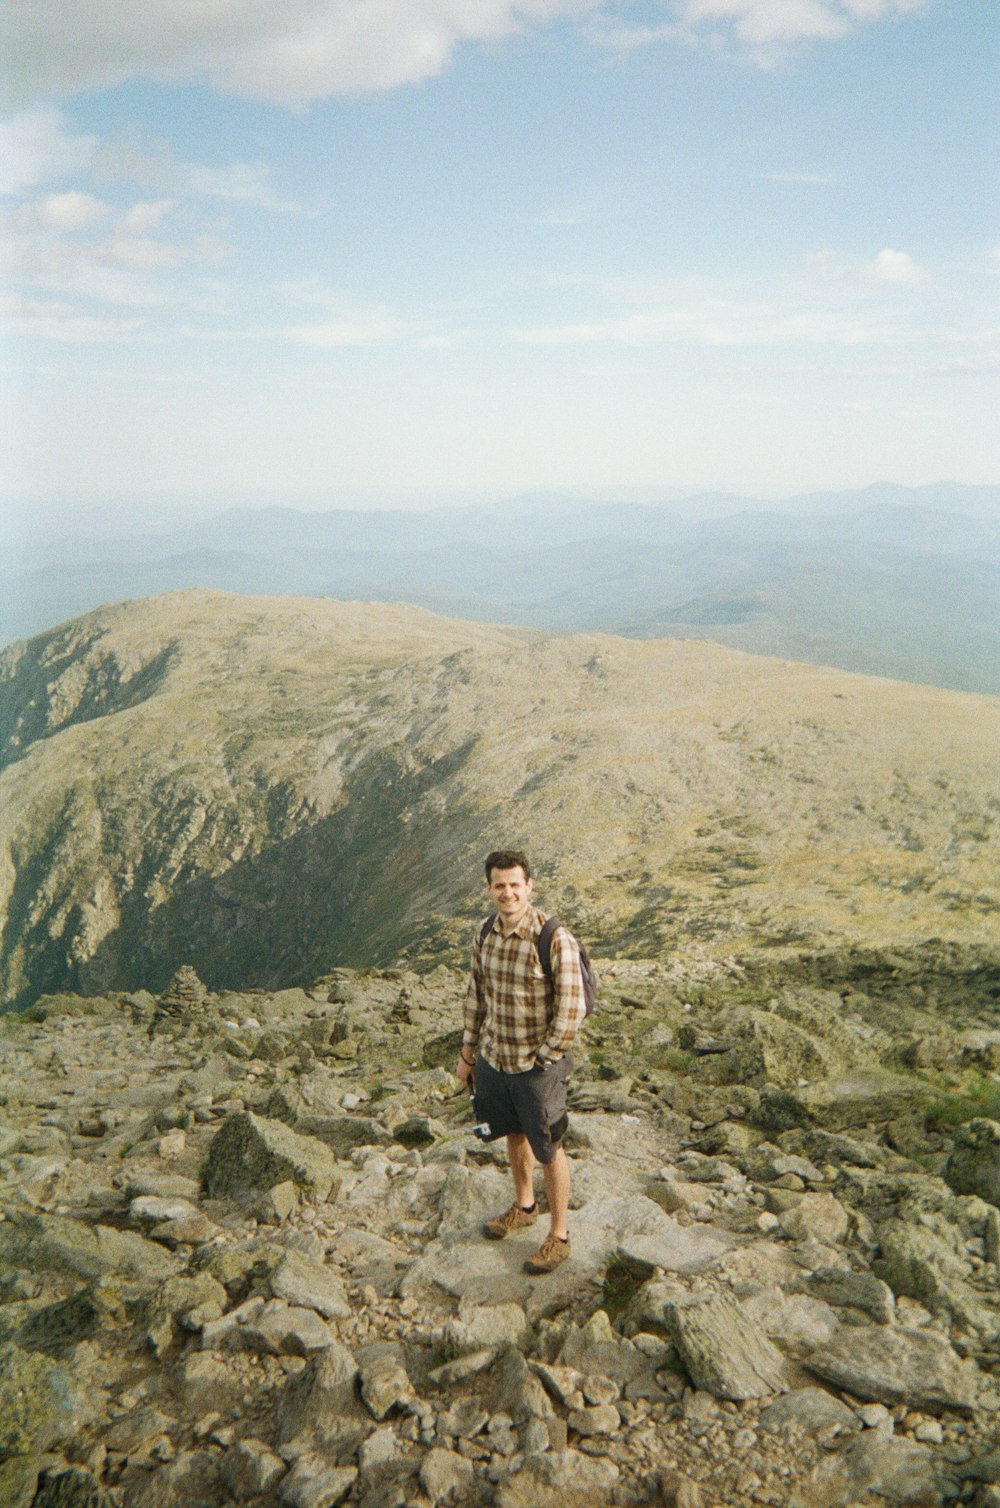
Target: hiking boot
547,1258
513,1219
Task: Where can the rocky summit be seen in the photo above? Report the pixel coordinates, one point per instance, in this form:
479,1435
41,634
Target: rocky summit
241,1258
267,788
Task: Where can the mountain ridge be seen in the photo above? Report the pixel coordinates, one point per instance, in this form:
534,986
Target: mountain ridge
570,564
261,786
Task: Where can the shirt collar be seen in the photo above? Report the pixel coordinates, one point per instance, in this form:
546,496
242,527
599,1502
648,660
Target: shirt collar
524,928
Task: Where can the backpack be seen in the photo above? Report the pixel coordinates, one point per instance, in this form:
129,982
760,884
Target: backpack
544,946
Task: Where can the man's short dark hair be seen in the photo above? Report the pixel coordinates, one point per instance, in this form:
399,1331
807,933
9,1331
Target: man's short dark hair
507,858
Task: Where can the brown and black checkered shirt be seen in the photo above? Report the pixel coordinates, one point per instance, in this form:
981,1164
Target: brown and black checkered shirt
512,1015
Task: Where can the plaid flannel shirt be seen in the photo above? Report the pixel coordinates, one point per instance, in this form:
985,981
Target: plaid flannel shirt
512,1015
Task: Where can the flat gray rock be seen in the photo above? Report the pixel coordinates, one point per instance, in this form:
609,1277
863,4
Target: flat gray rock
884,1365
856,1290
300,1280
464,1263
812,1409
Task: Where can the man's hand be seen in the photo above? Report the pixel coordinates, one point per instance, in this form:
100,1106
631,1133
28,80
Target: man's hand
465,1071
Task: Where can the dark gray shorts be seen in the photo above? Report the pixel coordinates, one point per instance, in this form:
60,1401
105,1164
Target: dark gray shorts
533,1103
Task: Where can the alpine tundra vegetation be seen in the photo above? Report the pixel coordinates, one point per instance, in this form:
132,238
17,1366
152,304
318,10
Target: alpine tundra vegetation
240,1204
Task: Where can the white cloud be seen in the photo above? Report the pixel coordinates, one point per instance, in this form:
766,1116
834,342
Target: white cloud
144,217
60,212
889,266
763,28
153,166
52,320
239,183
363,330
141,254
712,322
290,53
36,148
893,267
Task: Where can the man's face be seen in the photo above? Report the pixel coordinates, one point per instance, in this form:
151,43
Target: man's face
509,891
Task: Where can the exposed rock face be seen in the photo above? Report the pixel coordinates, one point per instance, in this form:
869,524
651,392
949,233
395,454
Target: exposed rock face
255,787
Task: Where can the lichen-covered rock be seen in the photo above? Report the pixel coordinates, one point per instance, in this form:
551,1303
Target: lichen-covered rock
249,1469
343,1132
973,1166
898,1471
61,1244
314,1483
445,1475
250,1154
817,1217
775,1051
86,1313
385,1384
595,1349
183,1303
517,1391
39,1403
192,1477
560,1479
811,1409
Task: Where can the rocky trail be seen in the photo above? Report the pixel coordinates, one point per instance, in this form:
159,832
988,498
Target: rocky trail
241,1259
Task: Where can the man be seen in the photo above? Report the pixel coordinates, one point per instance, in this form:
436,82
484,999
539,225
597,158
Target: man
518,1029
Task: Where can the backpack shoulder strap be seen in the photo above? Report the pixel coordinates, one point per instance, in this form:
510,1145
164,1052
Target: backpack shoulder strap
544,945
487,928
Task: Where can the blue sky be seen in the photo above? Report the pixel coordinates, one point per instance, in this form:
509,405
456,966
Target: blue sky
475,246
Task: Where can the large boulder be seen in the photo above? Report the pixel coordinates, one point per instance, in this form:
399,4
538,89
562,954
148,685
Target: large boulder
724,1350
322,1401
771,1050
251,1154
882,1364
923,1262
974,1164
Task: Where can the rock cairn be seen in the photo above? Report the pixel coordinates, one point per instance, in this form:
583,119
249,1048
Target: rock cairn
184,991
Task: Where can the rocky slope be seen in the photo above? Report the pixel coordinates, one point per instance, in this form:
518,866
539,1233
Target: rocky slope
241,1258
267,787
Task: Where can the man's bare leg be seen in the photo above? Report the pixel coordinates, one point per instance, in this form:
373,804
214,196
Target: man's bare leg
556,1174
522,1165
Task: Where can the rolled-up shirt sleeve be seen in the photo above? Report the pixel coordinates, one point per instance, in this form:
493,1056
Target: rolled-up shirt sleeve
569,1005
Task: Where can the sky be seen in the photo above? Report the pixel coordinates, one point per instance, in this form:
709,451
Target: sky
334,248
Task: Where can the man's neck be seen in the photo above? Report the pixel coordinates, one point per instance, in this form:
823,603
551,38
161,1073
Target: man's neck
511,924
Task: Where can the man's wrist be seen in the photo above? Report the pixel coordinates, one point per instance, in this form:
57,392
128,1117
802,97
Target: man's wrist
469,1061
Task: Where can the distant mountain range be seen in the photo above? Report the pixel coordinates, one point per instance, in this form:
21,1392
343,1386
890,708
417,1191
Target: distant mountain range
271,787
889,581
